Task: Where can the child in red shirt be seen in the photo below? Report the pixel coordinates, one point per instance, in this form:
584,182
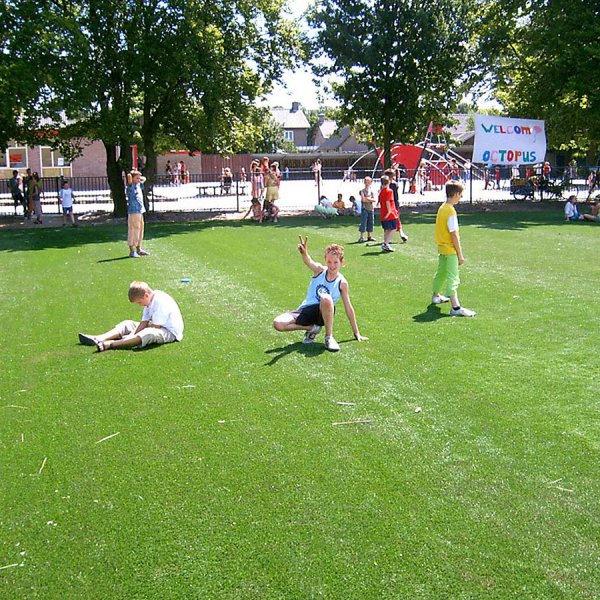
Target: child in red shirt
388,213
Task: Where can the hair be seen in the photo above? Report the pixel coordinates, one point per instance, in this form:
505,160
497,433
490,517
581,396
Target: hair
390,173
131,175
572,198
385,180
137,290
369,179
336,250
15,172
65,182
453,188
340,196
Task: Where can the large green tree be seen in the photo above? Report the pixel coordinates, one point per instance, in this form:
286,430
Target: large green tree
397,64
542,61
125,71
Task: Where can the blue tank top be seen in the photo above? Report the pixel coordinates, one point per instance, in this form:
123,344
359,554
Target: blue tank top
320,285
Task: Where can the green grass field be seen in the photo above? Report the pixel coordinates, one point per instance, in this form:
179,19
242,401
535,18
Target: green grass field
476,475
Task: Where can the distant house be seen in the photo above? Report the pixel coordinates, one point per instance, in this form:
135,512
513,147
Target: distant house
324,130
342,141
294,122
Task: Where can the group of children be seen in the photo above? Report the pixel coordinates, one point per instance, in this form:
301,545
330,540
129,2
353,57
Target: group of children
265,179
162,322
572,213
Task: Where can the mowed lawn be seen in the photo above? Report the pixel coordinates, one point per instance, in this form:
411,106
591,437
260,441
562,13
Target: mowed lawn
474,472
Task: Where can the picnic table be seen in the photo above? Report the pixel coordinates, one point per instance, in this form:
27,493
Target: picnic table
217,189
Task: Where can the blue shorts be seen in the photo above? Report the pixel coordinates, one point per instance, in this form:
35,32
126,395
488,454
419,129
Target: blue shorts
67,210
391,224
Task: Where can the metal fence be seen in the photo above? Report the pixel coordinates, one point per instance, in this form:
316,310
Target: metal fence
301,189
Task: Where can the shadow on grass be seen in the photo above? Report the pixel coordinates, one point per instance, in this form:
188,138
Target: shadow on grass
19,240
306,349
432,313
517,220
107,260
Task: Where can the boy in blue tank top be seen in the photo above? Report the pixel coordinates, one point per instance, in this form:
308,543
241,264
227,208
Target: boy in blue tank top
326,287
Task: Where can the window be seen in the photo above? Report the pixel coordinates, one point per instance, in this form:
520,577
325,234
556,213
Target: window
288,135
17,158
3,157
52,158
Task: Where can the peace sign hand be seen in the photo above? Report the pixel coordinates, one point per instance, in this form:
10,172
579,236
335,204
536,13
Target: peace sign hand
302,246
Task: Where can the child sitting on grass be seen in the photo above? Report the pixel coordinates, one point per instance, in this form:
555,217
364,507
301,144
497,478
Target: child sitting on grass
571,211
256,210
161,322
324,290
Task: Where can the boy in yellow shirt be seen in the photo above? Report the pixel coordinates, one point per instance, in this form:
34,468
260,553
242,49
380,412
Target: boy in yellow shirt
447,238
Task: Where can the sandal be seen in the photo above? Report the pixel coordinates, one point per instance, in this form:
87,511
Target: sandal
102,346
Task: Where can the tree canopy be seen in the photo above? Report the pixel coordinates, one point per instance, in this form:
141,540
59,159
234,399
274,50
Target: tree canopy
541,59
124,71
399,64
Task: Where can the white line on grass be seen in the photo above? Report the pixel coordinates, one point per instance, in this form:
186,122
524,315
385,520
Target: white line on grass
112,435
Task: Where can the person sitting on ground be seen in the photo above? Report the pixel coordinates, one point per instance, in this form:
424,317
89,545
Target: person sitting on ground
270,211
325,208
571,211
595,216
326,287
339,205
161,322
354,210
256,210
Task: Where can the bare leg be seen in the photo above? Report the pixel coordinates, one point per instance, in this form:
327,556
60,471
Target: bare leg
326,307
126,342
287,322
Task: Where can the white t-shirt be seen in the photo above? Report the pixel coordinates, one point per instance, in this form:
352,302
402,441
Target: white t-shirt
163,311
66,197
452,223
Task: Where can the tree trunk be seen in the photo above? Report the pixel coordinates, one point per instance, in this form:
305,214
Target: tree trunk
115,180
387,137
149,169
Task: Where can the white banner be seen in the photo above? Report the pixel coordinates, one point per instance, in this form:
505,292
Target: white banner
504,141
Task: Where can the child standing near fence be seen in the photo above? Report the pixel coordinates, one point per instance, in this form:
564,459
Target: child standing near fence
135,214
65,199
367,200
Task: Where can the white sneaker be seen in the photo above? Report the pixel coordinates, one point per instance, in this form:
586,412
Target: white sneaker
331,344
403,237
439,299
462,312
386,248
311,334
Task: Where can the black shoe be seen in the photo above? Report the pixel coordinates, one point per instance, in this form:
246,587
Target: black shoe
86,340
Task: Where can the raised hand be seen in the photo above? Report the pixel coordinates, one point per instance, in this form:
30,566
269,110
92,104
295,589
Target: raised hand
302,246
